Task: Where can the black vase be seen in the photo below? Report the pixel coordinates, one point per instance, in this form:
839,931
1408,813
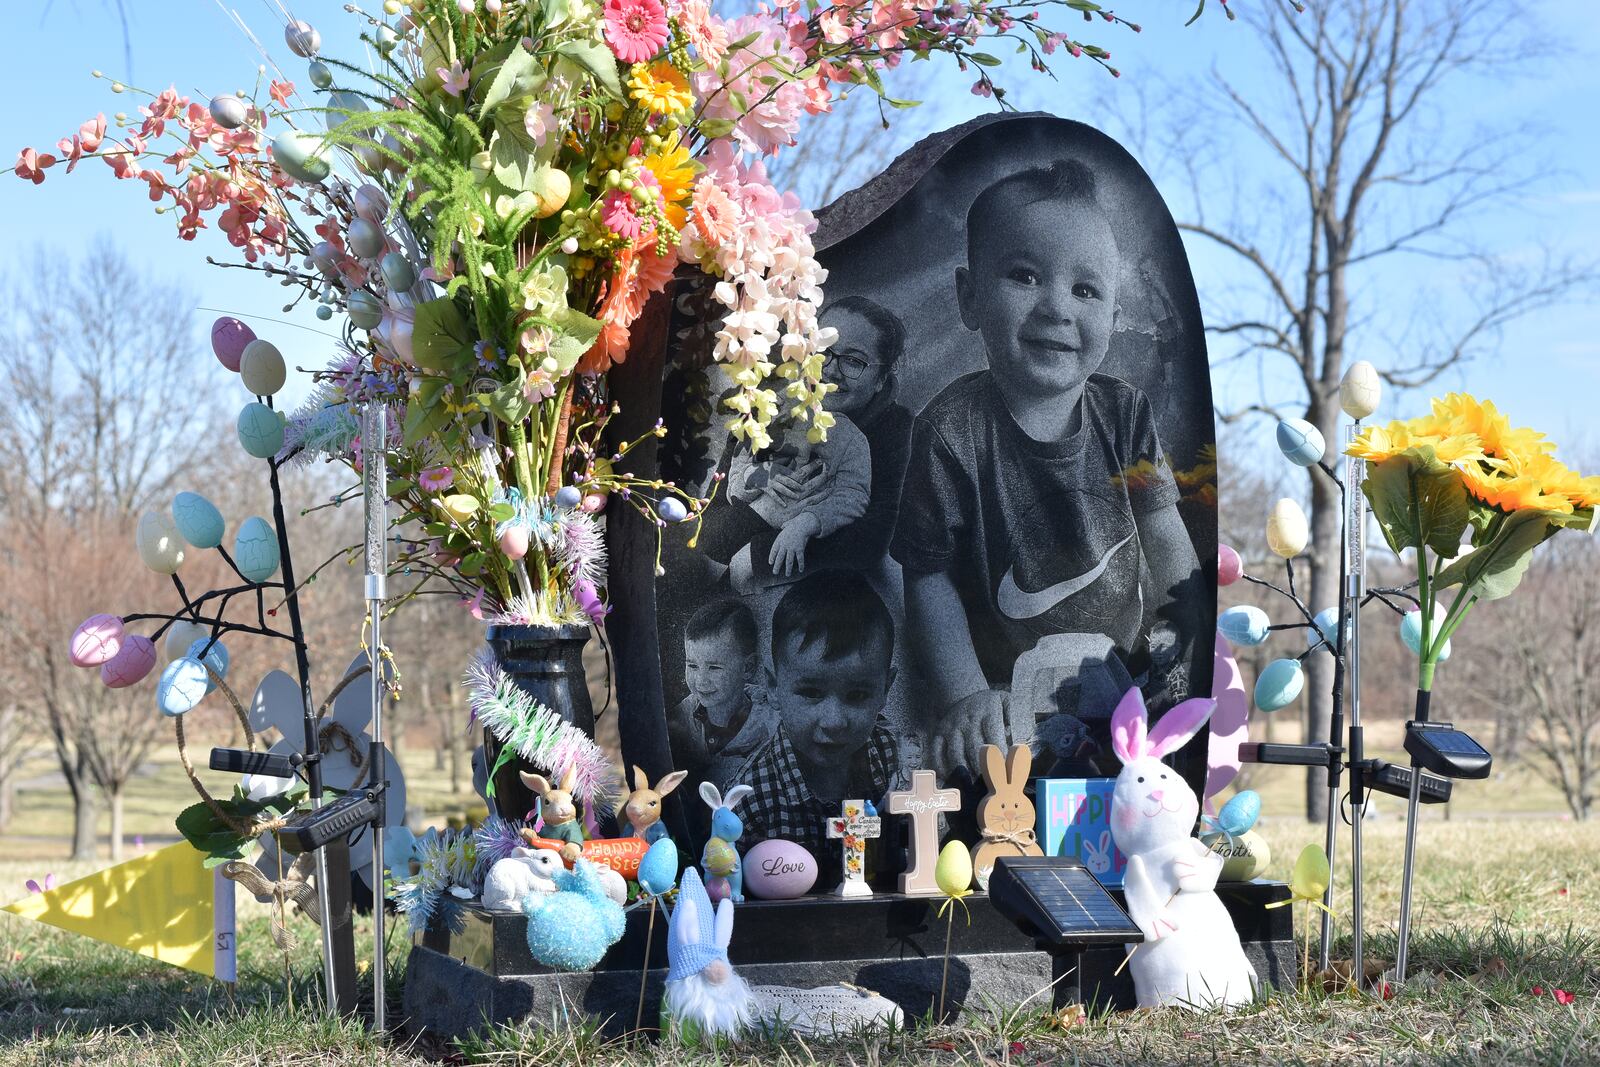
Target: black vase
546,662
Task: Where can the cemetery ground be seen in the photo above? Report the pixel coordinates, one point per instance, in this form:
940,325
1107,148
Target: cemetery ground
1507,914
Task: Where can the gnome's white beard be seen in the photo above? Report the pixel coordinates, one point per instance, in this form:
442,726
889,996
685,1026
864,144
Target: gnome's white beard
723,1008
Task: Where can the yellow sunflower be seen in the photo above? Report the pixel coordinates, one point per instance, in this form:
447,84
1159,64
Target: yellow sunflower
1460,413
674,170
1378,443
660,89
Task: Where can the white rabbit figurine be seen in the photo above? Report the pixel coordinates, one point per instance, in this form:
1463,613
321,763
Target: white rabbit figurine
1191,955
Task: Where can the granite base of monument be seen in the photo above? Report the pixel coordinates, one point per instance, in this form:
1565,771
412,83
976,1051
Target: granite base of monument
891,944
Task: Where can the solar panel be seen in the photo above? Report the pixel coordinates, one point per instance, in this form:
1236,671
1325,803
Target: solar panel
1056,899
1443,749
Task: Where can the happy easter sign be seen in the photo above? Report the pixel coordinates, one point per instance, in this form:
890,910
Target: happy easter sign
1075,821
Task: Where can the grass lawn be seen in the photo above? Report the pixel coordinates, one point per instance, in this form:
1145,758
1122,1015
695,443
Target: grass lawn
1502,907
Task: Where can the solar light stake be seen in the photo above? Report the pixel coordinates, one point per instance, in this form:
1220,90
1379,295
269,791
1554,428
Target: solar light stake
374,437
1355,546
1423,697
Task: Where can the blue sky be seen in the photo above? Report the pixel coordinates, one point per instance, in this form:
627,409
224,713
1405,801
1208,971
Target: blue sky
1544,369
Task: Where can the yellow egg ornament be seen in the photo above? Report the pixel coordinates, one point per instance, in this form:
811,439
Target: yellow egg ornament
953,872
460,506
552,187
1287,529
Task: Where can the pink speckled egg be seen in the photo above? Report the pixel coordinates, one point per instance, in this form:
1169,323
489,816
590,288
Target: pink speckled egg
96,640
132,662
228,338
1229,565
594,503
717,888
779,870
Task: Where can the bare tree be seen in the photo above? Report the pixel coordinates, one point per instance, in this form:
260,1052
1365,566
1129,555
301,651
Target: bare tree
101,371
1373,155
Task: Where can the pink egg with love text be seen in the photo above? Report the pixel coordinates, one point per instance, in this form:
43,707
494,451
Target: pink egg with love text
779,870
96,640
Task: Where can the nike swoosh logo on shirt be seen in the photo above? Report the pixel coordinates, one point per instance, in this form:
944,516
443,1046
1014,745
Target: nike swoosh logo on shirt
1019,604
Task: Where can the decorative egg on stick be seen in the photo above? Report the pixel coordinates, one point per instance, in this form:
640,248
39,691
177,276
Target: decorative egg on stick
1300,442
302,156
366,238
255,549
303,39
1361,390
320,75
96,640
183,684
1230,568
197,519
213,654
160,546
262,369
398,273
1287,529
133,661
180,635
229,337
228,111
1411,630
365,309
1279,684
1244,624
260,430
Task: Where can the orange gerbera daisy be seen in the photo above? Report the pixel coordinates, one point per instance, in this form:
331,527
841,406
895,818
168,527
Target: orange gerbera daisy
716,216
611,346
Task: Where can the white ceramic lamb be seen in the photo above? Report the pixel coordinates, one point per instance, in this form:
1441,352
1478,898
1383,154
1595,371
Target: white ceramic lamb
1191,955
526,870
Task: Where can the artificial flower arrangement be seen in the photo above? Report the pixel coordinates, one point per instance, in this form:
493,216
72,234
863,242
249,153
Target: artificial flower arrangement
1473,496
534,172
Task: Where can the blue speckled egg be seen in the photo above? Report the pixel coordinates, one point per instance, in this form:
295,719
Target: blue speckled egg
1300,442
366,310
671,509
255,549
182,686
658,871
1279,684
1240,812
260,430
216,657
1411,631
569,496
198,520
1244,624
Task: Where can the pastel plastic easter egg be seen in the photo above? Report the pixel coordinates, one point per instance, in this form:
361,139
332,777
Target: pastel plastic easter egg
1247,856
779,870
131,664
319,74
96,640
229,337
386,38
182,634
658,871
719,857
1287,529
1229,566
395,331
181,687
260,430
325,258
303,40
718,888
372,203
1244,624
569,496
302,156
953,871
398,273
1279,684
1361,390
553,190
158,542
228,111
460,506
342,104
1327,621
262,369
1300,442
213,654
365,238
1411,631
1240,812
514,541
594,503
366,310
255,549
671,509
198,520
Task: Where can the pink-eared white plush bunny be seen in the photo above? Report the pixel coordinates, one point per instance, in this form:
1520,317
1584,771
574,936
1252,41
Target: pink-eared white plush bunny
1191,955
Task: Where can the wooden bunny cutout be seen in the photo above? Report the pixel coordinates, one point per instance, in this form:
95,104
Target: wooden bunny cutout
1005,816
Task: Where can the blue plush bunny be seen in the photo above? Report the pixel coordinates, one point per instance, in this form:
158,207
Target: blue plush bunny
571,928
721,857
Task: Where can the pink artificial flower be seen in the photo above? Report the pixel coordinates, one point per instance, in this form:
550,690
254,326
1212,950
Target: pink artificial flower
87,139
621,214
159,110
540,385
31,165
436,479
280,92
635,29
705,31
715,215
769,118
475,605
539,122
455,78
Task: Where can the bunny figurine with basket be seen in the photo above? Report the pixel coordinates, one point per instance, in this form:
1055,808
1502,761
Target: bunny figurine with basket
704,997
1191,955
1005,815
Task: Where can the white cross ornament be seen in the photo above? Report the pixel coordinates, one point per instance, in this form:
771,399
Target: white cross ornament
854,829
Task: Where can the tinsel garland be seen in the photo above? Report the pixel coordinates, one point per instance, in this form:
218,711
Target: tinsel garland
540,736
